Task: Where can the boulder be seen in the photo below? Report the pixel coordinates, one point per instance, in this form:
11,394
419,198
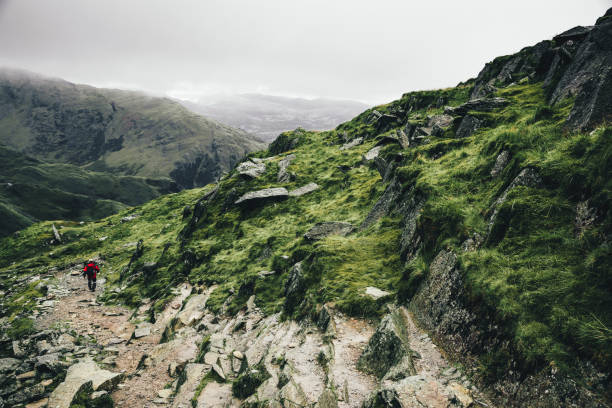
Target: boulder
327,399
294,286
193,310
267,195
481,104
84,376
355,142
324,229
388,347
469,124
283,174
142,331
442,121
375,293
372,154
500,163
250,169
308,188
193,374
8,364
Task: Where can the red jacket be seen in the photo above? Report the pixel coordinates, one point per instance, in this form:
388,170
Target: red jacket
91,269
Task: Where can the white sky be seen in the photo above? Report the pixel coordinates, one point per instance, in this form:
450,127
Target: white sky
370,50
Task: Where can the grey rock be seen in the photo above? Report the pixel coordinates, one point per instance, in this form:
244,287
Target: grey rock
49,362
8,364
355,142
372,154
250,169
328,399
294,287
375,293
384,204
388,347
142,332
481,104
267,195
56,233
308,188
219,371
442,121
283,174
324,229
469,124
500,163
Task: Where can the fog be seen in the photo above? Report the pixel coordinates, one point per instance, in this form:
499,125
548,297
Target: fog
371,51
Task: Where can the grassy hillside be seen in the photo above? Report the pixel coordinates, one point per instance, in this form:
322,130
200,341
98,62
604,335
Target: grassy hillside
31,190
544,280
497,207
121,132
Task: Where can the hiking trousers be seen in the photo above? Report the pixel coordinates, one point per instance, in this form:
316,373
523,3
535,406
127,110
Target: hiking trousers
91,281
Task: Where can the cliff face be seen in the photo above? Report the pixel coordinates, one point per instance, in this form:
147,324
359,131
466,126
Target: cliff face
125,133
330,269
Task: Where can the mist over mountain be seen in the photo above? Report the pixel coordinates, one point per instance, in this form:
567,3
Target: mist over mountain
267,116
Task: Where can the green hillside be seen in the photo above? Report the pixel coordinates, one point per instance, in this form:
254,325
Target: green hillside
32,190
484,208
121,132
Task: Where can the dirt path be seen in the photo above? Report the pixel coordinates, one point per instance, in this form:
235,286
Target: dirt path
111,328
121,340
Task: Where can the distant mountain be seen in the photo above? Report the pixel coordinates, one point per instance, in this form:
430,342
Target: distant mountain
267,116
32,190
115,131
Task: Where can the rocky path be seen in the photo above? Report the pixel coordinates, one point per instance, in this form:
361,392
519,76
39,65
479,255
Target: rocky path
203,356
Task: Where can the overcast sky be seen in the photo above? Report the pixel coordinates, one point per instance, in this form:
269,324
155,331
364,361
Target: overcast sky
371,50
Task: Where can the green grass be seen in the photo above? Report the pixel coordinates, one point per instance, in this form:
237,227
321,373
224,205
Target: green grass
545,284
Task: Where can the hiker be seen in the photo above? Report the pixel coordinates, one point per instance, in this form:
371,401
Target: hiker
91,271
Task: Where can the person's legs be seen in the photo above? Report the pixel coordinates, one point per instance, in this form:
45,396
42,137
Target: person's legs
89,281
93,285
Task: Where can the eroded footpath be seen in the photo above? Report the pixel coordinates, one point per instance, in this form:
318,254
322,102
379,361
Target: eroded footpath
190,357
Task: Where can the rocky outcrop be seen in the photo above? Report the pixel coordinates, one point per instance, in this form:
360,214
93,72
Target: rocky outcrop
469,124
294,287
500,163
372,154
576,63
388,352
86,377
300,191
480,104
251,169
355,142
255,198
284,175
324,229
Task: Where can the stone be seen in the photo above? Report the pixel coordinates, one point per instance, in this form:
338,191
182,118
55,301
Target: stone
38,404
462,395
327,399
250,304
442,121
308,188
193,310
264,274
266,195
27,375
283,174
250,169
219,371
49,362
294,287
355,142
142,332
211,358
500,163
237,354
56,234
388,347
375,293
469,124
83,376
129,218
165,393
372,154
480,104
193,376
8,364
324,229
18,351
